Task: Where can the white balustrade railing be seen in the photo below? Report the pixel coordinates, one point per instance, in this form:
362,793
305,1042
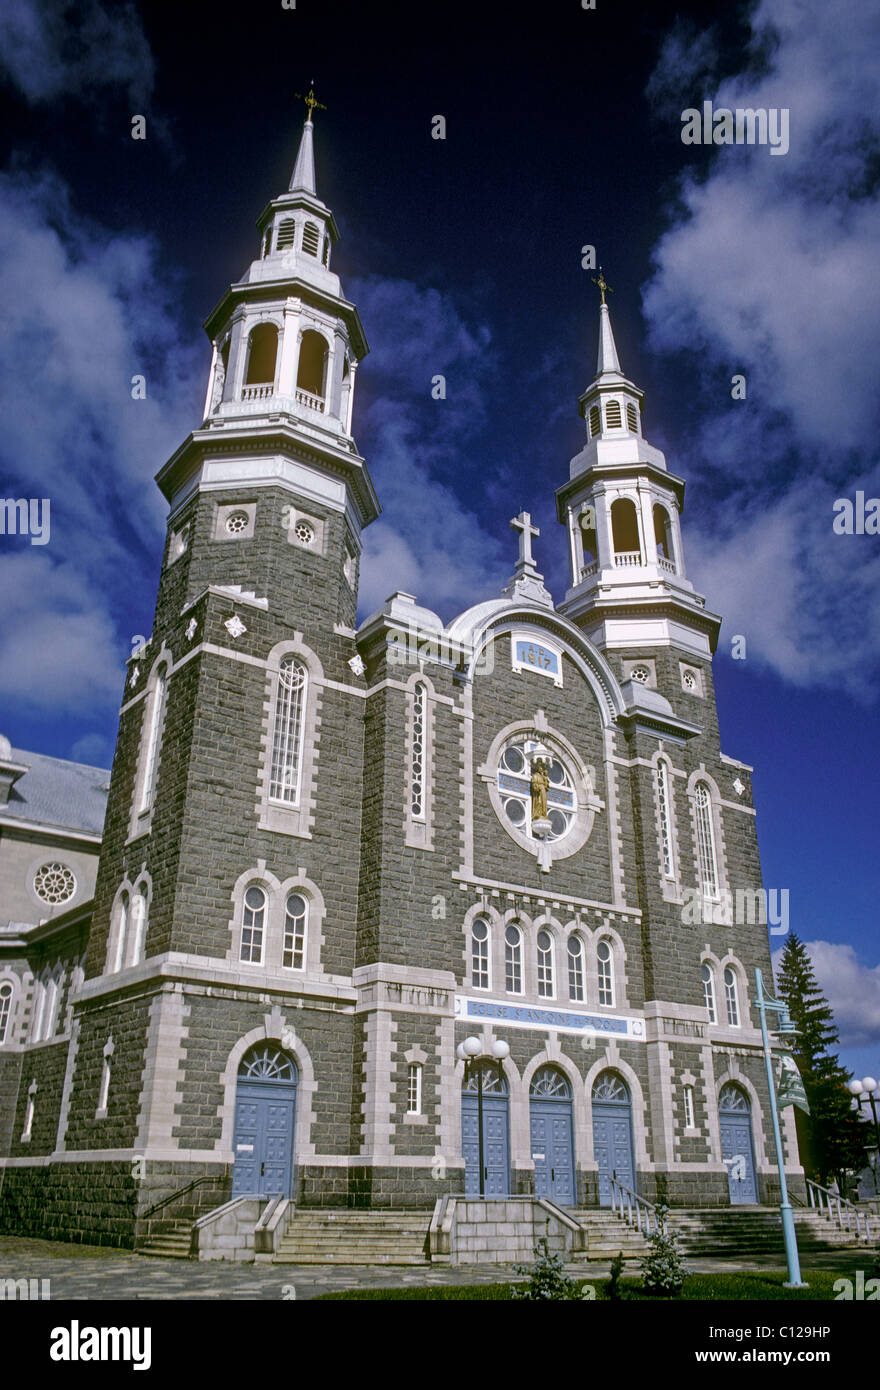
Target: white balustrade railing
313,402
589,569
665,564
835,1207
627,557
634,1210
257,393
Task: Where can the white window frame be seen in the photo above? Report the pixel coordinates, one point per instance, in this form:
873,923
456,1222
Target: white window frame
414,1088
484,953
245,926
710,994
605,974
664,805
7,1001
123,914
707,848
731,997
580,972
688,1095
273,813
545,968
513,959
158,700
283,713
419,825
302,936
29,1114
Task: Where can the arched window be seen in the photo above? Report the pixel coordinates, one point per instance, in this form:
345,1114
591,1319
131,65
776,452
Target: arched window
545,964
266,1062
262,353
595,423
706,842
610,1089
605,958
625,532
733,1098
5,1009
730,997
688,1094
122,912
311,239
665,818
286,234
138,925
662,533
590,543
312,366
293,947
414,1089
253,925
155,721
575,970
709,991
613,419
417,787
39,1007
480,953
550,1083
289,729
51,1008
513,960
632,417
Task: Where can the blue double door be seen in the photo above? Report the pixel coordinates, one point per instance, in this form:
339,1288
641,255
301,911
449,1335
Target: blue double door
613,1148
265,1115
553,1150
496,1148
738,1157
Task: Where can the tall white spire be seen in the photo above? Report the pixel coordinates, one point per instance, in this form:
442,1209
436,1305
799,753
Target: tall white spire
303,177
607,360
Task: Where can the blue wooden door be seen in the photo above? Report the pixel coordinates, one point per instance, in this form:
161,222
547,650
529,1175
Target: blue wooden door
553,1150
613,1148
265,1114
738,1158
496,1152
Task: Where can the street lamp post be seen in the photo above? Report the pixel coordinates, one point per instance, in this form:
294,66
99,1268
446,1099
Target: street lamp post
765,1002
864,1090
473,1053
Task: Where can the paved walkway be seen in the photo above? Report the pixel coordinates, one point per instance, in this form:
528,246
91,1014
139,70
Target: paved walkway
97,1272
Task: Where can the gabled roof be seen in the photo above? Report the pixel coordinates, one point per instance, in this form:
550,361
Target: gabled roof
57,794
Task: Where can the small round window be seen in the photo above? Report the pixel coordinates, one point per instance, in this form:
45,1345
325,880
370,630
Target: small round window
54,883
641,674
689,681
305,533
237,523
534,784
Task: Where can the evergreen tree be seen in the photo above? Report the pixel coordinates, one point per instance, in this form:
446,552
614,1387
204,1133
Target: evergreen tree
832,1138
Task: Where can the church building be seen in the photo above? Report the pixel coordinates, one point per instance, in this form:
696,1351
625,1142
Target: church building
334,853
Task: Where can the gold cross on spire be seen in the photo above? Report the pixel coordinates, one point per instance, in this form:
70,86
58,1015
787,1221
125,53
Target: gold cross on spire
603,284
310,100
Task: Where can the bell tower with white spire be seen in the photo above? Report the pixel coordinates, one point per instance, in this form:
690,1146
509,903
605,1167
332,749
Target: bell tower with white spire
622,509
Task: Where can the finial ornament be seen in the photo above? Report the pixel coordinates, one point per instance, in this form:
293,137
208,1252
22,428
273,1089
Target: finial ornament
311,101
603,284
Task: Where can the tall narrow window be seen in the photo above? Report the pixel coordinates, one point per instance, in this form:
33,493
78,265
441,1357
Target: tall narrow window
253,925
605,958
5,1009
287,740
29,1112
417,771
545,964
730,997
311,369
104,1092
39,1008
414,1089
709,991
513,960
665,818
121,931
293,947
612,415
632,418
311,239
480,954
138,925
575,969
262,355
688,1107
50,1009
155,720
286,234
595,423
706,842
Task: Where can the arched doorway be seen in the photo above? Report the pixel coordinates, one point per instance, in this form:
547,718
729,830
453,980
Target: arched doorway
552,1136
612,1134
265,1113
737,1149
496,1145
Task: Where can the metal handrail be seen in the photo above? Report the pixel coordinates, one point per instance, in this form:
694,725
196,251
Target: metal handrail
173,1196
823,1199
633,1209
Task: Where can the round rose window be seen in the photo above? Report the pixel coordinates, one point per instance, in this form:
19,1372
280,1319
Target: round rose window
529,777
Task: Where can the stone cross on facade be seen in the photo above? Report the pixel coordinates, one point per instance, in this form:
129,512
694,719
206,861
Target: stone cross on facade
523,524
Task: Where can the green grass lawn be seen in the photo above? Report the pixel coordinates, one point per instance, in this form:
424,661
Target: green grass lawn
763,1284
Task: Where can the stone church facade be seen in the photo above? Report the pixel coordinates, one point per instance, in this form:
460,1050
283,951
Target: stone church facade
332,853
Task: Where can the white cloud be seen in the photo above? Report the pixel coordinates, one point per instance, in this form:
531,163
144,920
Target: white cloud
55,48
771,268
851,988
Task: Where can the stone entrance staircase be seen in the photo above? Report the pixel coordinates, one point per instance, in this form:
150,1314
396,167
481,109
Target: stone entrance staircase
355,1238
753,1230
170,1244
608,1235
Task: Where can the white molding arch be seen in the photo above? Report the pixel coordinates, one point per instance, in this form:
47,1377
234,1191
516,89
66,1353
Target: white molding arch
274,1028
612,1061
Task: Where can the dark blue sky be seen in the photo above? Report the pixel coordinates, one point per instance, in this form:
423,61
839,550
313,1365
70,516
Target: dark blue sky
563,129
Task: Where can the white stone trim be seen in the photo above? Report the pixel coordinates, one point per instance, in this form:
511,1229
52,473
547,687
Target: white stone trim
272,815
419,833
